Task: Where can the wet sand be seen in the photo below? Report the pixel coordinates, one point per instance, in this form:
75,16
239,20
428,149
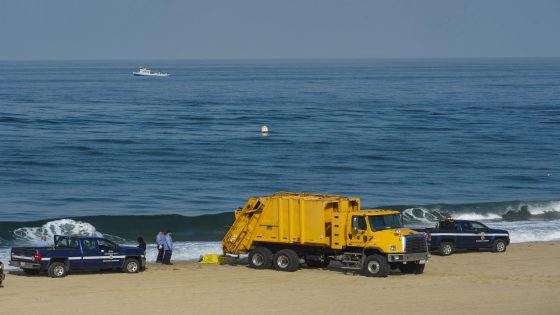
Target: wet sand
524,280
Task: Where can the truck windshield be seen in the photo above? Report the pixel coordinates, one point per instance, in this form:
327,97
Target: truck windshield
382,222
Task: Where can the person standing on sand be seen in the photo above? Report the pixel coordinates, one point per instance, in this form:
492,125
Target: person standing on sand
141,243
168,247
160,239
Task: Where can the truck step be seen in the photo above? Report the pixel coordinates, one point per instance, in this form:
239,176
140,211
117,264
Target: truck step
350,268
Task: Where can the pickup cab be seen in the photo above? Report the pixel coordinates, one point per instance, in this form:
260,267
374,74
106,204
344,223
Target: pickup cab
449,235
70,253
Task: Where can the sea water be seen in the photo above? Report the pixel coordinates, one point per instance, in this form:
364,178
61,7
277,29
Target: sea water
87,147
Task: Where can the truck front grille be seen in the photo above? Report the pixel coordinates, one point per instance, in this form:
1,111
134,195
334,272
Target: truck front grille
415,244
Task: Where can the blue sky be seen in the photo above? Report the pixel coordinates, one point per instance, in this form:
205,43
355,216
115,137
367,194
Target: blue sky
263,29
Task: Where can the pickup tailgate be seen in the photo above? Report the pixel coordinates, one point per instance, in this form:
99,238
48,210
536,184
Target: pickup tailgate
23,253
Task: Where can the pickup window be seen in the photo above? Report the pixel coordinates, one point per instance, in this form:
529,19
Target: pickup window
106,245
474,226
446,225
90,245
68,243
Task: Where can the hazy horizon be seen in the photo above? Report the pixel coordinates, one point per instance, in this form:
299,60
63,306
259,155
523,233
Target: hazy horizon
270,30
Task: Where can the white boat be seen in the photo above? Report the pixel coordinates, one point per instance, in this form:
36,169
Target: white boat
143,71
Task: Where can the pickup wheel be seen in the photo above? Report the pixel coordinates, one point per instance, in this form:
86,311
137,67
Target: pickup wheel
375,266
57,270
31,272
131,265
286,260
445,248
260,258
499,246
412,268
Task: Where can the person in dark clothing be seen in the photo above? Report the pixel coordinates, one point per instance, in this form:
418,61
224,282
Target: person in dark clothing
141,243
168,247
160,239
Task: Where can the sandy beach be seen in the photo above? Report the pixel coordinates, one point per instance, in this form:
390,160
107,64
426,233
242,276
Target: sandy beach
524,280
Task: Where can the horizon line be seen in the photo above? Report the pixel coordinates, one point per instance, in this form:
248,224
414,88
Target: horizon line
279,59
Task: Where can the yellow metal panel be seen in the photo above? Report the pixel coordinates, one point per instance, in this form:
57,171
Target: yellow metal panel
301,218
338,237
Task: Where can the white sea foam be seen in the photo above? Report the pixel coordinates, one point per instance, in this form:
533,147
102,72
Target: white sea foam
542,207
186,250
530,231
476,216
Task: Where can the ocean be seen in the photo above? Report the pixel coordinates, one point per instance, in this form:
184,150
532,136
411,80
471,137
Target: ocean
87,147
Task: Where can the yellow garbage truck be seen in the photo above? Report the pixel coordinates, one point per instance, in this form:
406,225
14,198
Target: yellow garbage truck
287,229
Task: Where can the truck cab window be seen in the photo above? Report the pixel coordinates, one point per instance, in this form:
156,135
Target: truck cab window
361,222
382,222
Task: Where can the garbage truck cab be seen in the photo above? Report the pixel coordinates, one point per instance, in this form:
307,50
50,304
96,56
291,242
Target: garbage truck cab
286,230
380,235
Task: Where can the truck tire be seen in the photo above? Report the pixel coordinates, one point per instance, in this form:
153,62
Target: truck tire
412,268
499,246
445,248
260,258
31,272
131,265
286,260
375,266
57,270
315,263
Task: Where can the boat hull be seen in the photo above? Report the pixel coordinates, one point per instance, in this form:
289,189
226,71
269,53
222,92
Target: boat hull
149,75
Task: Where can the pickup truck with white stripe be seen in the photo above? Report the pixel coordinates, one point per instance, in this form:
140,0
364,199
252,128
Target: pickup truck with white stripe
71,253
450,234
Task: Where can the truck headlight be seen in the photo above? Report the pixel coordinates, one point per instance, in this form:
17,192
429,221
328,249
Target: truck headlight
392,248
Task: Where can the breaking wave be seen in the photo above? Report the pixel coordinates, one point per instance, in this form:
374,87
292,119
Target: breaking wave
492,211
52,228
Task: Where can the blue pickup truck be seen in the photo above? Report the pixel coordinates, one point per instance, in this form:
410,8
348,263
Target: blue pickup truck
71,253
449,235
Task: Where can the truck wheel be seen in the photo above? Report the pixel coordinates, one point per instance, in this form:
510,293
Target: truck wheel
376,266
57,270
499,246
445,248
260,258
131,265
318,263
31,272
286,260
